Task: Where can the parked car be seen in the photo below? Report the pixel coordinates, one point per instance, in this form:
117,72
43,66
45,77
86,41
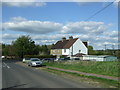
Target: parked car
2,57
48,59
76,58
25,60
62,59
34,62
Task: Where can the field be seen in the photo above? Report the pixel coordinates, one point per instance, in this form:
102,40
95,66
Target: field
109,68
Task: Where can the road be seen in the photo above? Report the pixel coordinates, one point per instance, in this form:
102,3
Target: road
19,76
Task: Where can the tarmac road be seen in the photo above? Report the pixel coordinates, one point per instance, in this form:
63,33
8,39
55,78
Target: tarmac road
18,76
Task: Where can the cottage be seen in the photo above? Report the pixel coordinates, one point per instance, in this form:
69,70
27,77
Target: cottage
69,47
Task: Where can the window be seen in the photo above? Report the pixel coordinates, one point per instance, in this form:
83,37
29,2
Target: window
79,51
64,50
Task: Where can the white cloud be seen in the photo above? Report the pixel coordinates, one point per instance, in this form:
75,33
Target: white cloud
39,39
96,41
23,25
10,36
84,27
60,0
111,33
46,32
18,19
23,3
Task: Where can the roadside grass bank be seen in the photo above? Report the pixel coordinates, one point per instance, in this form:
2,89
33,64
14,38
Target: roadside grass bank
109,68
91,80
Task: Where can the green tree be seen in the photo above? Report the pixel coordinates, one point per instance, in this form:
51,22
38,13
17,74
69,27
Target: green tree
99,52
43,50
117,53
8,50
90,50
24,45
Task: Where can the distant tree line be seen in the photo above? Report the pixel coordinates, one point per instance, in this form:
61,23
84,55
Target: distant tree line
24,45
114,52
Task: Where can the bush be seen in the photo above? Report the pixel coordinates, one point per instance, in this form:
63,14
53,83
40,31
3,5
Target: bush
39,56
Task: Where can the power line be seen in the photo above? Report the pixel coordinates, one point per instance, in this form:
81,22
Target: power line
100,10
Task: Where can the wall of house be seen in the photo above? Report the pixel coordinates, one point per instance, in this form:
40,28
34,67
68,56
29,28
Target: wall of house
65,51
56,52
78,47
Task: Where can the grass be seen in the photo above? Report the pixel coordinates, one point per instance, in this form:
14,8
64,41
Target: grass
102,82
109,68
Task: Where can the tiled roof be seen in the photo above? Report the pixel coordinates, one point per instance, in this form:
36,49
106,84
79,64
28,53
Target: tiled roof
64,44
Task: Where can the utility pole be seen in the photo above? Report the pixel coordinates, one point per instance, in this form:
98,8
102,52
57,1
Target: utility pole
105,48
113,49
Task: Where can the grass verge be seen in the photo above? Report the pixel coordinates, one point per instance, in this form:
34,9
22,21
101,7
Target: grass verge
92,80
109,68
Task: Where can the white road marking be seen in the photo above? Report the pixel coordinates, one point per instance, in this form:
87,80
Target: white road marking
6,65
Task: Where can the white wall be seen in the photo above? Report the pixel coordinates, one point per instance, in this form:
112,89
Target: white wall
65,53
78,45
92,58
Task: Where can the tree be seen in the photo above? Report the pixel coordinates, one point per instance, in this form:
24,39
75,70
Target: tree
90,50
24,45
99,52
117,53
43,50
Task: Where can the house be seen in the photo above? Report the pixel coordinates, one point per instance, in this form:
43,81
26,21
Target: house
99,58
69,47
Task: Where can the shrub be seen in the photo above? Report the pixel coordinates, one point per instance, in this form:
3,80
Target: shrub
39,56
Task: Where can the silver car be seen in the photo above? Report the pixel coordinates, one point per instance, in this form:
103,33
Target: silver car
34,62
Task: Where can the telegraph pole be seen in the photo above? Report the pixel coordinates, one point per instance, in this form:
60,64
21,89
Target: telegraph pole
113,49
105,48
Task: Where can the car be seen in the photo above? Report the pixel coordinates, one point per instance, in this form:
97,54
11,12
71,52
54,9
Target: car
75,58
25,60
62,59
2,57
34,62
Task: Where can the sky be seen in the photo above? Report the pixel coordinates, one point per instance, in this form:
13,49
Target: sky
48,22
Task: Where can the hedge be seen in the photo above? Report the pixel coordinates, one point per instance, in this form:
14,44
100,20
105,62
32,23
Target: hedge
39,56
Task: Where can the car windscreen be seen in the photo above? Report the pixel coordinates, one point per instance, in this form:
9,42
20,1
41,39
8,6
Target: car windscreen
35,60
27,58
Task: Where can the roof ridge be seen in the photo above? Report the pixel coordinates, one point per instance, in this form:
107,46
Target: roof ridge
71,39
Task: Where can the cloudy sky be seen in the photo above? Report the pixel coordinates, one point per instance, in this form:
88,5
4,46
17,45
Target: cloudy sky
48,22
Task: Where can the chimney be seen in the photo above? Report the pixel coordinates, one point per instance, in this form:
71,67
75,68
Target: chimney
64,38
71,37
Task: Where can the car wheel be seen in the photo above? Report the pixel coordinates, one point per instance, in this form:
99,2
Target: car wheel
31,65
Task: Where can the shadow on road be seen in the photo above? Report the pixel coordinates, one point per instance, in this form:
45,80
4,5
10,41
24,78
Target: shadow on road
10,60
16,86
40,66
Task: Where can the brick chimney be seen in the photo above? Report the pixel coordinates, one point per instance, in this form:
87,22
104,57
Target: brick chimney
64,38
71,37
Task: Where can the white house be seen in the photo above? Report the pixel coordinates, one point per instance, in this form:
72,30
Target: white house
69,47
